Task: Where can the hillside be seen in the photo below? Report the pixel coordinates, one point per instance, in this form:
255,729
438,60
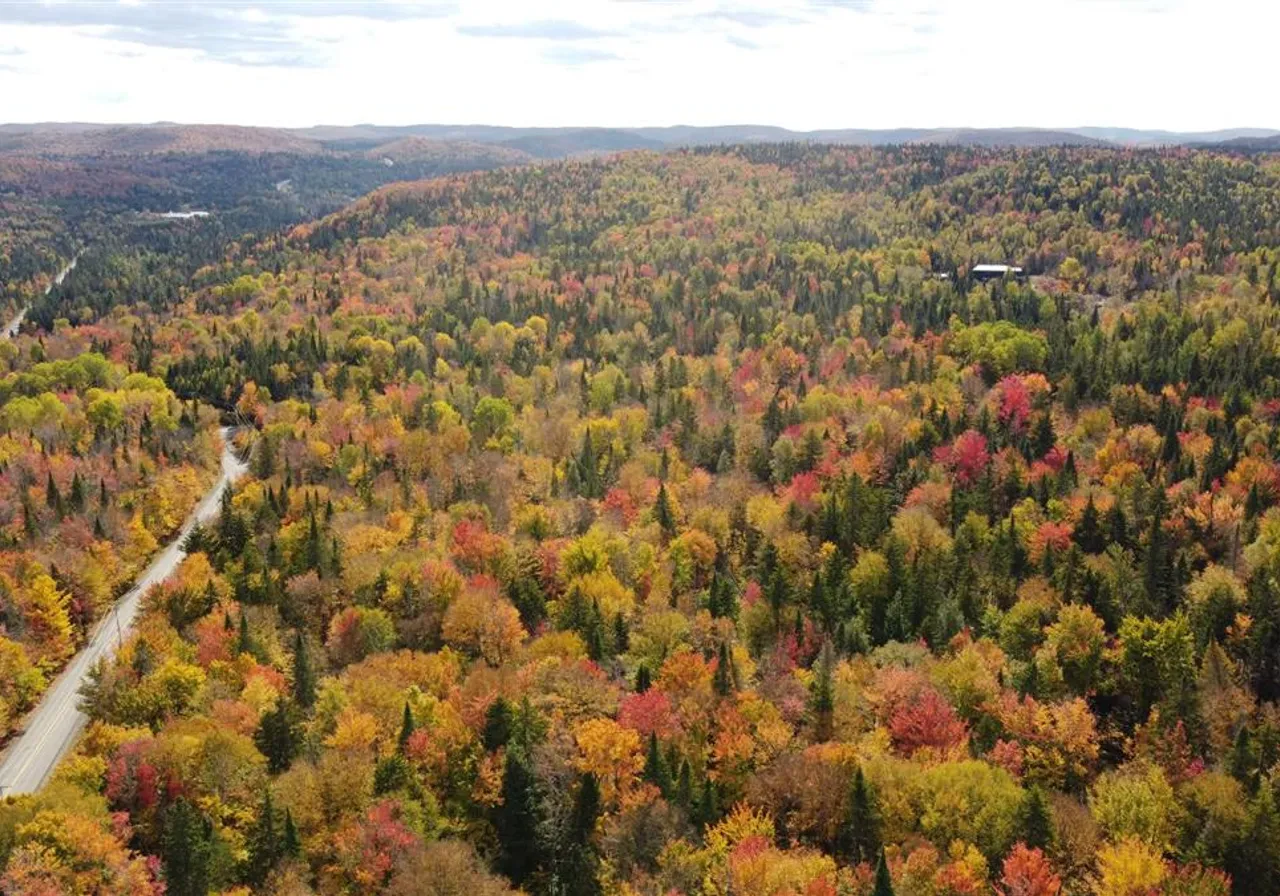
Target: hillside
623,524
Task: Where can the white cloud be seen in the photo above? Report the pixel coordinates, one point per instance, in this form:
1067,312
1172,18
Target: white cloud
1180,64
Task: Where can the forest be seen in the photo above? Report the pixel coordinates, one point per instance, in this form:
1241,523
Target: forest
669,523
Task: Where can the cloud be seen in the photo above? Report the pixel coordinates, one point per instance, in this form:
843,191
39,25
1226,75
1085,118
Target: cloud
224,30
546,29
741,42
12,51
578,55
749,17
855,5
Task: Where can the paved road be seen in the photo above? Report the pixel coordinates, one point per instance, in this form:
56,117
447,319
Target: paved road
52,727
12,327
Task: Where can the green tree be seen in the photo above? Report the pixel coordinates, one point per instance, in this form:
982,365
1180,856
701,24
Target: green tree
186,849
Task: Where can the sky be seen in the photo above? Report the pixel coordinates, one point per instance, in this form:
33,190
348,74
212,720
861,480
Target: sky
803,64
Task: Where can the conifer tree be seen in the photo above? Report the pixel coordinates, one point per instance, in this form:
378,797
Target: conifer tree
186,848
863,824
264,844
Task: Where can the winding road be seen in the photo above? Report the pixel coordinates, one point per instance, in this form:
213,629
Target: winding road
12,327
52,727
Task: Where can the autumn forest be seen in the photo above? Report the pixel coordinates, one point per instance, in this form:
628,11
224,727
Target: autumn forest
694,522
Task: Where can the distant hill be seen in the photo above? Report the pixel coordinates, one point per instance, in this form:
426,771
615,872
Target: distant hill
1252,144
88,140
425,149
485,146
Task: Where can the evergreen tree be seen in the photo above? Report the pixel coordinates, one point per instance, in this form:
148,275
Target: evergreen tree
291,843
724,681
304,676
277,737
497,724
186,848
884,883
644,679
863,824
1256,861
1036,823
663,512
582,873
407,727
655,769
822,698
516,819
1088,532
264,844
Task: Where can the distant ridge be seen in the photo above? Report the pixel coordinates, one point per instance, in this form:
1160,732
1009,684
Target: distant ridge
71,139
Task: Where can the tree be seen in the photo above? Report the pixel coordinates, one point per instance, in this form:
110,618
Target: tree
407,727
1088,531
582,861
278,737
1036,823
1026,872
863,825
304,676
516,819
186,850
663,512
884,883
264,843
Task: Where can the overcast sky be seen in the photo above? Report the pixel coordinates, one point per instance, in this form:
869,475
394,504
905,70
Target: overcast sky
1177,64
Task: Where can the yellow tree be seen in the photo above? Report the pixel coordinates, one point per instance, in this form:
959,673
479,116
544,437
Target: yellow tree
611,753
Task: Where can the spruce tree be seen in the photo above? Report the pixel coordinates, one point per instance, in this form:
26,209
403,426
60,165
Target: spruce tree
582,877
663,512
277,737
516,819
291,842
724,681
186,847
264,844
1036,823
407,727
884,883
304,676
863,825
655,769
497,724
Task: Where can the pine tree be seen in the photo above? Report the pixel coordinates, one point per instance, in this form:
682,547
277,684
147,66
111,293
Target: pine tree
863,824
264,845
1036,823
516,819
884,883
582,862
244,641
644,679
407,727
822,699
724,681
291,843
1088,532
663,513
277,737
497,724
186,848
684,786
304,677
1256,865
655,769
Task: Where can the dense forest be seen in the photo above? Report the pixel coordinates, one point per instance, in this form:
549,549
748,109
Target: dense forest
673,523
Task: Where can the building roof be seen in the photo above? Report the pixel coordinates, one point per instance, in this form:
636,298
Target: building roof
996,268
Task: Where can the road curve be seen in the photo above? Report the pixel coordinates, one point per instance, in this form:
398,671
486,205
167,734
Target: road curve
15,324
51,729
